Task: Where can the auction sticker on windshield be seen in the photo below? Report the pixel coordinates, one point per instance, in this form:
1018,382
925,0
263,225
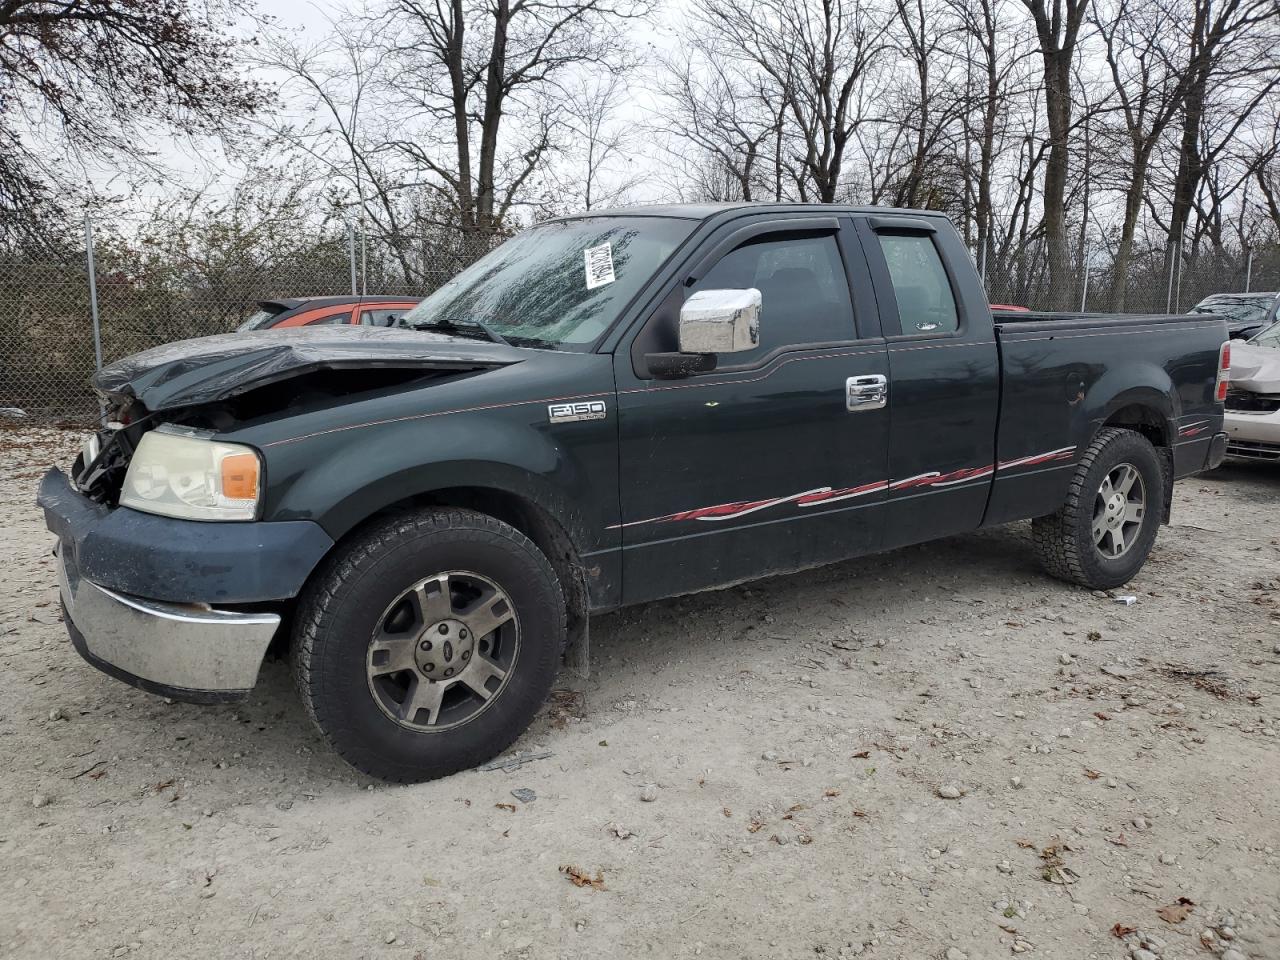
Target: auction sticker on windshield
599,261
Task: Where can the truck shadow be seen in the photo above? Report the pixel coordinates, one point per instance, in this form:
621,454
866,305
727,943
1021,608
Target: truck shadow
267,743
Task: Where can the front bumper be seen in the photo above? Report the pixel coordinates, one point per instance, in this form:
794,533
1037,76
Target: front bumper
139,591
183,651
1253,436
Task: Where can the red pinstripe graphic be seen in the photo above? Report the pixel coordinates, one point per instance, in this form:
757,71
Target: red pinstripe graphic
730,511
1191,429
1063,453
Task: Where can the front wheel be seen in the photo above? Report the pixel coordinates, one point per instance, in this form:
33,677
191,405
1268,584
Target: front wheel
1102,534
428,644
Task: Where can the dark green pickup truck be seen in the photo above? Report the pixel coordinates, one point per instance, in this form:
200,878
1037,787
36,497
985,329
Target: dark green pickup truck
606,410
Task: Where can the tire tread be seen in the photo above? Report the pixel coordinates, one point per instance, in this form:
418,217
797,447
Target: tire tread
345,567
1055,536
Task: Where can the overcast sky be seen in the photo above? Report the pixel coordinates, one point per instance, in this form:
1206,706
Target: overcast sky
204,165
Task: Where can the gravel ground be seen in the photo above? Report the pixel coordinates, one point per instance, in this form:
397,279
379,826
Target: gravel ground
934,753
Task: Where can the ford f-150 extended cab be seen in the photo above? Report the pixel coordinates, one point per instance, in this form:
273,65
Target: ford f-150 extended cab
607,409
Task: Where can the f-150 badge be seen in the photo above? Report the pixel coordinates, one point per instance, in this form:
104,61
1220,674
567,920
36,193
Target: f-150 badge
575,411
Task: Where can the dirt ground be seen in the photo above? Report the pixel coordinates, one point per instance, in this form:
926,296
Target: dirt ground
1118,770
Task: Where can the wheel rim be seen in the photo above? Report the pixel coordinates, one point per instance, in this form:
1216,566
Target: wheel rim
443,650
1119,510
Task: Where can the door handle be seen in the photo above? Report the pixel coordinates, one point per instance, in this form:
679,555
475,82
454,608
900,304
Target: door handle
868,392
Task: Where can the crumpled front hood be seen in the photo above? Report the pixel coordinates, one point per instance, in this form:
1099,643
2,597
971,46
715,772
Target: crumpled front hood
214,368
1255,368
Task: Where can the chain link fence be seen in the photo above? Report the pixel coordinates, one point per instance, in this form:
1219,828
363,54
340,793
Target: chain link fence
141,298
148,294
1151,284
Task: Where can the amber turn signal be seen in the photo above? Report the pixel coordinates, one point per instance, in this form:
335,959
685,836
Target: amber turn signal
240,476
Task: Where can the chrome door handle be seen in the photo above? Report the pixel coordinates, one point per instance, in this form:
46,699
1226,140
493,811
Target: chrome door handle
868,392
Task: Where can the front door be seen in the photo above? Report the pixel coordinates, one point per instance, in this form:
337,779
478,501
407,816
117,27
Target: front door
767,464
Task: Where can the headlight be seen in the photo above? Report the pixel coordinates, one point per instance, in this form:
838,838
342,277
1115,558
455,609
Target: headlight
183,474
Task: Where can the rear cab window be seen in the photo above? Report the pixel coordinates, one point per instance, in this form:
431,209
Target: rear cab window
926,302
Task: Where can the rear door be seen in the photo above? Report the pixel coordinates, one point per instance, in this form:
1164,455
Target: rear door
944,369
764,465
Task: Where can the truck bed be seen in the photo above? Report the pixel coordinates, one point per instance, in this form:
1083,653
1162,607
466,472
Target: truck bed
1050,365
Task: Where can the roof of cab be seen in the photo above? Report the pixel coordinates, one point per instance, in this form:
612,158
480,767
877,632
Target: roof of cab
702,211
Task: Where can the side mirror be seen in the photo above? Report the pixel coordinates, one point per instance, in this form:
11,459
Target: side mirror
676,366
720,321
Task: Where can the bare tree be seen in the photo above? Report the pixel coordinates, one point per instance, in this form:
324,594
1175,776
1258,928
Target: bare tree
817,56
718,124
1227,55
480,76
1058,24
78,80
601,142
993,59
331,118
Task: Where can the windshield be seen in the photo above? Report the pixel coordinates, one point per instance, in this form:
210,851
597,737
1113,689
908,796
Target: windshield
258,321
1270,337
1237,309
561,284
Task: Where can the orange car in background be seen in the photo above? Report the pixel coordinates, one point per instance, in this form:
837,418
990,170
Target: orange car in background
367,311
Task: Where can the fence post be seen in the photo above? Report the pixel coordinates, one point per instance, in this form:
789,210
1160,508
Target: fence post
93,306
351,254
1084,289
1174,255
1248,271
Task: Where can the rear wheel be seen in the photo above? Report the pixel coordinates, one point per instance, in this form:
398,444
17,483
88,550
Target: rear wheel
428,644
1102,534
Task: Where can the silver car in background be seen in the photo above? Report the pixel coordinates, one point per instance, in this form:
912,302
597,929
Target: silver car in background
1253,398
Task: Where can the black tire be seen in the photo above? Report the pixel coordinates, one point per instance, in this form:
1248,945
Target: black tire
1065,541
349,598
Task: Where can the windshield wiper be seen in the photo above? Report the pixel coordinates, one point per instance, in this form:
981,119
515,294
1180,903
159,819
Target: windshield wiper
454,325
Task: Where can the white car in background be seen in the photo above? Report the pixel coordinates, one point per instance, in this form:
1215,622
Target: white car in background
1253,398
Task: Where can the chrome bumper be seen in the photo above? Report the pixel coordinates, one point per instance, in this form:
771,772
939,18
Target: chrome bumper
181,651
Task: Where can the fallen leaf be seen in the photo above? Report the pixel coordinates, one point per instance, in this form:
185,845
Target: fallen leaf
1118,840
1092,774
580,878
726,811
861,813
861,755
755,826
509,807
831,792
1122,930
1025,844
1100,715
1176,912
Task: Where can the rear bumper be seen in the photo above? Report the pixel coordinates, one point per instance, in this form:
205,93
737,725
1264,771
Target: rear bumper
186,652
1217,451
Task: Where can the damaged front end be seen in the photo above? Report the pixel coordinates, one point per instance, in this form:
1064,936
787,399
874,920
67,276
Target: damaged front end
170,578
218,383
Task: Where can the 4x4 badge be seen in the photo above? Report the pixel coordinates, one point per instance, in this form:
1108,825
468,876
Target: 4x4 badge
576,410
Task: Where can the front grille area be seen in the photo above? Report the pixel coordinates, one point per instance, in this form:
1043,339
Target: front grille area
1252,402
1254,450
